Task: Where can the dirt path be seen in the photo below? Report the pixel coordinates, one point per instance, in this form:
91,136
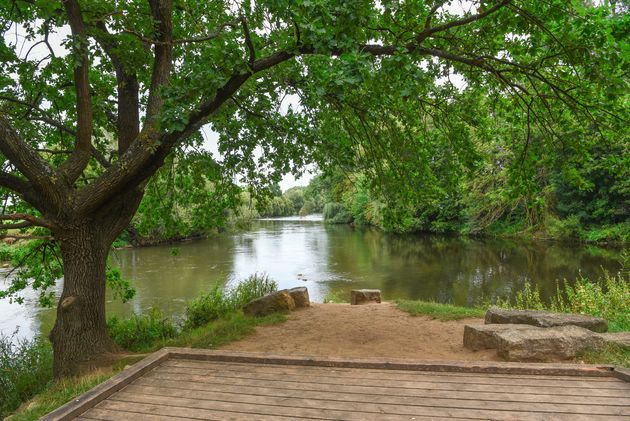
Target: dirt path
380,330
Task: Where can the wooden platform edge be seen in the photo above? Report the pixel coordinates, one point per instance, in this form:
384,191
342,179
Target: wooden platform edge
101,392
489,367
622,373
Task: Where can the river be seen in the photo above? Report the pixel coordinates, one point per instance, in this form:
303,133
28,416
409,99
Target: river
332,258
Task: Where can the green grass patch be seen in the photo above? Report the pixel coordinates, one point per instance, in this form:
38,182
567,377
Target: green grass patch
57,394
25,370
611,354
335,298
232,327
141,332
437,310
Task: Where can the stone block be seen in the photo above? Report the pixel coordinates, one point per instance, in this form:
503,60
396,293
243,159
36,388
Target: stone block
546,344
300,296
280,301
365,296
545,319
478,337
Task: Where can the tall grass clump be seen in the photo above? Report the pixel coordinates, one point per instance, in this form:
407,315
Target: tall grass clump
141,332
220,302
607,297
251,288
25,370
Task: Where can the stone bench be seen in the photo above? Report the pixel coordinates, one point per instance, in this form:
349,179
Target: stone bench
545,319
365,296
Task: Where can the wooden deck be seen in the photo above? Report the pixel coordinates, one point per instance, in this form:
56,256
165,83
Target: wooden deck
192,384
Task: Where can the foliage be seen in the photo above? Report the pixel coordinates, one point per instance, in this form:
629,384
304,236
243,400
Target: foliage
218,302
141,332
334,297
56,394
231,327
438,310
25,370
253,287
610,354
607,297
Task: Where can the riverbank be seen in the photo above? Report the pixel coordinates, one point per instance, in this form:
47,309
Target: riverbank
406,330
369,331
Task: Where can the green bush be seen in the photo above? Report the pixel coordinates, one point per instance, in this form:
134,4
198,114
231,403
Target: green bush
251,288
141,332
25,370
206,308
218,302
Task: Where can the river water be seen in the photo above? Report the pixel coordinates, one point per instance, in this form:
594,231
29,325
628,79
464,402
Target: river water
332,258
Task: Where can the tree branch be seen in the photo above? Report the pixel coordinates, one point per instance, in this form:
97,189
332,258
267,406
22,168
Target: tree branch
31,165
128,117
78,160
30,219
248,41
162,11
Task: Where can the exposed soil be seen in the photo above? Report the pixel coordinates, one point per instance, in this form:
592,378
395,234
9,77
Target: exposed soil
378,331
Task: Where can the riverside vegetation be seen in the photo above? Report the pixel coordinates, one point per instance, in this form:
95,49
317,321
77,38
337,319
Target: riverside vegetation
214,318
209,321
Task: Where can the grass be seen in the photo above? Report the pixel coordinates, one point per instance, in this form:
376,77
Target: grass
231,328
607,297
438,311
610,354
218,302
140,333
25,370
334,297
57,394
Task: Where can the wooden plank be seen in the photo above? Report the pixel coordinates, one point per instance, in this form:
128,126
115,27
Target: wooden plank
192,387
195,408
122,411
393,405
107,415
397,364
622,374
312,382
221,369
379,372
102,391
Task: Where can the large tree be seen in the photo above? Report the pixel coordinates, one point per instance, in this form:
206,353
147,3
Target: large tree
84,128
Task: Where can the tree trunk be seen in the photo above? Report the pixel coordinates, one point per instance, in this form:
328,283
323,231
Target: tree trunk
79,336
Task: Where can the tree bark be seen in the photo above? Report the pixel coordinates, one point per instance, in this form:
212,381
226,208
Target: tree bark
79,336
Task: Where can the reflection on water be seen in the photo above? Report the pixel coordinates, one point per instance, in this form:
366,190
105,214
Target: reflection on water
298,252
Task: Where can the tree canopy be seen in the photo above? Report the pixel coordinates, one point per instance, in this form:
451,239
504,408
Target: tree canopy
401,90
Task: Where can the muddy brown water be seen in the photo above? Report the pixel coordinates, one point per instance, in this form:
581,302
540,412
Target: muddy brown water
333,258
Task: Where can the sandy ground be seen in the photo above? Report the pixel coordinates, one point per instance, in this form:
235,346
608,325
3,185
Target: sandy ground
366,331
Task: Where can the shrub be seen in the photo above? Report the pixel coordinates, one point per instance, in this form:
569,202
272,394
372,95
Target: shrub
218,302
251,288
206,308
141,332
25,370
